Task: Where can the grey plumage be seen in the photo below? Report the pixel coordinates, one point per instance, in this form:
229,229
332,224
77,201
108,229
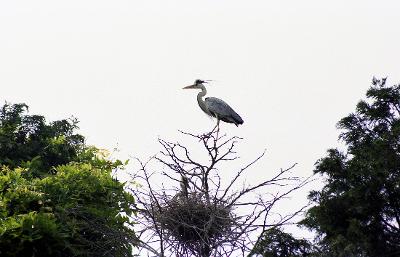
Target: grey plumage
215,107
184,186
221,110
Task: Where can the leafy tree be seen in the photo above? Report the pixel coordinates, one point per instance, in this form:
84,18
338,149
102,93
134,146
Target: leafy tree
276,243
357,212
28,141
57,195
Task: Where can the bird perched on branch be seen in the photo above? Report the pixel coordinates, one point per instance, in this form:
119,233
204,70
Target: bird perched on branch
215,107
184,186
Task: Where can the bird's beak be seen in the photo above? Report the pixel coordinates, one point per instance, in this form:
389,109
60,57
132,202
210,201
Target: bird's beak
190,87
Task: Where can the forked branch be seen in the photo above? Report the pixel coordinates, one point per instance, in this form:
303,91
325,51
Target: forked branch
185,209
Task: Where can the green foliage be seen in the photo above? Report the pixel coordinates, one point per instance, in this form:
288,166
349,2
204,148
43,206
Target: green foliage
357,212
28,141
276,243
57,195
27,227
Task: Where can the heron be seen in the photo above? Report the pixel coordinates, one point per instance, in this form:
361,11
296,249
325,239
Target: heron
215,107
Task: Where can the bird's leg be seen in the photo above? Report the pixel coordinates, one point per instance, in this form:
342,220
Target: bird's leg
217,127
211,132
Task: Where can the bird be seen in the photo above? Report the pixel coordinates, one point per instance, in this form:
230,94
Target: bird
215,107
184,186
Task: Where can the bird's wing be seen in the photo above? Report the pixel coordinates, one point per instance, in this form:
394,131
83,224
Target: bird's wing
219,108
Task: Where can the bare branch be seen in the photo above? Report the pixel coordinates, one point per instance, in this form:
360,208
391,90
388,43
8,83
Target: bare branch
194,215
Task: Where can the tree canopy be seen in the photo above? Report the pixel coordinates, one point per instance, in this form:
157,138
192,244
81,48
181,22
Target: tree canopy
357,212
57,195
28,141
276,243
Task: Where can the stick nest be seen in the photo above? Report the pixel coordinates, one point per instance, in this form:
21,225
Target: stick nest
192,220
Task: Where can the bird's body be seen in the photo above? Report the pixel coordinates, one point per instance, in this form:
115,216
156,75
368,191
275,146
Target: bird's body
221,110
215,107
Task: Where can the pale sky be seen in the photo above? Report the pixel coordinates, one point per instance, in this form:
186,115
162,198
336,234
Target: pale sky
291,69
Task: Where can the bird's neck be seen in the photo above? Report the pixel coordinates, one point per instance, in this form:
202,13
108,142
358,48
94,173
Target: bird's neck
200,100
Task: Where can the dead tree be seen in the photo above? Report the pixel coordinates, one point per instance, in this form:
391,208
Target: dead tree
185,209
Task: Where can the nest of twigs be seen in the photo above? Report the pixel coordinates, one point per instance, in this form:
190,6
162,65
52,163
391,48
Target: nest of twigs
191,219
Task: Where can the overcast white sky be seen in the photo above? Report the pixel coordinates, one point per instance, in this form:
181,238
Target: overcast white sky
291,69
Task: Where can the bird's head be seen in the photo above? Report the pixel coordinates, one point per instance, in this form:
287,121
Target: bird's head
198,84
199,81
